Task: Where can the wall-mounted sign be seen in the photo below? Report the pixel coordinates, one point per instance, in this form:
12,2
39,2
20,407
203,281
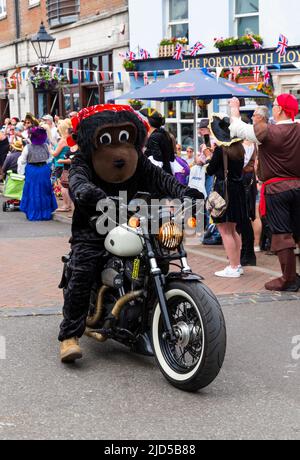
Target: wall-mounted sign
245,59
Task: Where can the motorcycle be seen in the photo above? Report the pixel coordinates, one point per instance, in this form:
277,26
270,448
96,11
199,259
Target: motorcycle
141,302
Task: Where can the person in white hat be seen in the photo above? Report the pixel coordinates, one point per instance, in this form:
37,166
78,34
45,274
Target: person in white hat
50,122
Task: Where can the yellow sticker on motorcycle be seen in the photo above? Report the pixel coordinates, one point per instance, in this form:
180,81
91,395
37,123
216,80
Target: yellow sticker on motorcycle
136,269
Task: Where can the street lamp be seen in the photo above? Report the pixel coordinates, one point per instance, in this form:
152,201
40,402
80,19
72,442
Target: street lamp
43,44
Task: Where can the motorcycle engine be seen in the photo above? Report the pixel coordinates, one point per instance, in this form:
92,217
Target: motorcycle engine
130,316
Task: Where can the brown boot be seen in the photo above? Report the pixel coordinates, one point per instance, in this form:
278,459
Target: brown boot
70,350
288,282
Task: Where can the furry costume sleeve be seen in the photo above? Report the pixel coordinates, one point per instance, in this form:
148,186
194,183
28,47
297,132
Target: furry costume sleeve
81,184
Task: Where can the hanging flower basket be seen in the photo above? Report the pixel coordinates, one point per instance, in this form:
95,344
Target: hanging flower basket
128,65
43,79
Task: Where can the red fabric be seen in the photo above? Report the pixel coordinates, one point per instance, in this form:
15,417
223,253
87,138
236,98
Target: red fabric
263,202
289,104
93,110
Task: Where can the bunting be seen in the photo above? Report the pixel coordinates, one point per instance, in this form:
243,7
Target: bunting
218,72
236,72
146,80
267,75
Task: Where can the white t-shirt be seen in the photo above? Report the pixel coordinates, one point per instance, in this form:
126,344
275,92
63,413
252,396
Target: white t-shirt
197,179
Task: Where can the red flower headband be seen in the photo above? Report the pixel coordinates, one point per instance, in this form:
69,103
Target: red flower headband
90,111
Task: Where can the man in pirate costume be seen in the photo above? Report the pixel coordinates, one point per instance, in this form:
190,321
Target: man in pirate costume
279,159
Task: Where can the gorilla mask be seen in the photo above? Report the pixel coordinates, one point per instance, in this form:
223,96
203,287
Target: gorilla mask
115,157
110,137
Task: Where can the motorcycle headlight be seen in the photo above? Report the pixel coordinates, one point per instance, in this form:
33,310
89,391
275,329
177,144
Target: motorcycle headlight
170,235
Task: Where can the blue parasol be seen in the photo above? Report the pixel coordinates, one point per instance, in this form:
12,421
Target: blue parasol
192,84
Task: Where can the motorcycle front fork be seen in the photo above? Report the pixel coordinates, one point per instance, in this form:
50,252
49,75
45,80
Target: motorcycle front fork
160,284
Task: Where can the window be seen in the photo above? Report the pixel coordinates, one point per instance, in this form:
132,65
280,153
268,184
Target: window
2,9
32,3
295,90
178,18
61,12
180,120
247,17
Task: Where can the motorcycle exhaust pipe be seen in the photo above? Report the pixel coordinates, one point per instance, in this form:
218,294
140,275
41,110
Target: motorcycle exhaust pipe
116,311
92,321
95,335
119,305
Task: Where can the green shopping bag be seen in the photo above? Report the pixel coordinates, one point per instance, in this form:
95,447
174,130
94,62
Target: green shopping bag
14,185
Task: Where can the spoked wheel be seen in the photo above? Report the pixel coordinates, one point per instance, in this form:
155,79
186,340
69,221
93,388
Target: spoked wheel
194,360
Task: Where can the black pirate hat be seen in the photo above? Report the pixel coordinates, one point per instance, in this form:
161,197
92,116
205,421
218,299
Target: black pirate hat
219,125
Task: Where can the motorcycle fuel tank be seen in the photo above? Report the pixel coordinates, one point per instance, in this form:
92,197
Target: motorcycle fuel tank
124,242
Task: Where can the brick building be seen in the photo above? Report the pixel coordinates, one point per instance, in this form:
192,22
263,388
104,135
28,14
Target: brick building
89,35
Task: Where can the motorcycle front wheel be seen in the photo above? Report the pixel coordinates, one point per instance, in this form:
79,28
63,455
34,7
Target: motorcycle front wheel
195,359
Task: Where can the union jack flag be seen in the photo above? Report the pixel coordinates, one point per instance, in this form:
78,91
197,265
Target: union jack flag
256,44
266,73
144,54
196,48
179,52
130,55
256,73
282,45
146,79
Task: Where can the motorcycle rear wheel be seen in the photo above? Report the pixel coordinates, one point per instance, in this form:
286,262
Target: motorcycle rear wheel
196,358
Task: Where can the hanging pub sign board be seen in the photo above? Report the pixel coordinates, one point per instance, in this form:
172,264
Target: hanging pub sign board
266,57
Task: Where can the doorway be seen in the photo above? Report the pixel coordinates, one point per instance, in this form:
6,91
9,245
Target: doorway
4,109
46,102
90,96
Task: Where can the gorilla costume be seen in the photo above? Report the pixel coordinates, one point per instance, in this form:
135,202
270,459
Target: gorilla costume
111,139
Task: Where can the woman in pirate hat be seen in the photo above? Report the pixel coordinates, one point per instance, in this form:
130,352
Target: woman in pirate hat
229,185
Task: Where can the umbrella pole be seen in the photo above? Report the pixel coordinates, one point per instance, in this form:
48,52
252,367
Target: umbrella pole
195,127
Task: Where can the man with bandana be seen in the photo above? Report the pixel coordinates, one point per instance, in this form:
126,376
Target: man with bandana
279,159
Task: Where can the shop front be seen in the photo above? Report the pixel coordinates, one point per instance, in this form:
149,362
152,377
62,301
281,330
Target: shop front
82,82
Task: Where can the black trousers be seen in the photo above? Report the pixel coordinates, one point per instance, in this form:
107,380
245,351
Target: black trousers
247,234
283,213
86,263
245,227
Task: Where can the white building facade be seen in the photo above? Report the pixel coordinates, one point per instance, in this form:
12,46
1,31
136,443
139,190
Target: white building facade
204,21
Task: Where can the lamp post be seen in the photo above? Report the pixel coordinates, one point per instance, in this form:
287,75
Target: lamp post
43,44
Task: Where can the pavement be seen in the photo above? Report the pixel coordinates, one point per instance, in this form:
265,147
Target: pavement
31,259
113,394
